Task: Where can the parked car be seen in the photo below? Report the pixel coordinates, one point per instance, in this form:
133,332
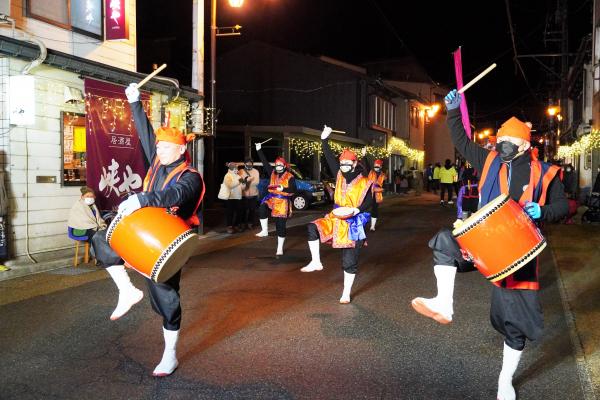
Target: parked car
309,191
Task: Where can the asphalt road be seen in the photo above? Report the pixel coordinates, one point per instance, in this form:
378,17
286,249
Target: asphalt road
254,327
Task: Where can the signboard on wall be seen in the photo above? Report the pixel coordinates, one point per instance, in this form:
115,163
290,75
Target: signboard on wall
117,22
115,161
21,99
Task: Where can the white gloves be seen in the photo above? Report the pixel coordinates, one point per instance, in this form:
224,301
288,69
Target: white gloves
280,188
132,92
258,146
355,211
131,204
326,132
363,151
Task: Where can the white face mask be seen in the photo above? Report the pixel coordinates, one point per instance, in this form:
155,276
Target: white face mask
377,169
279,168
89,200
345,168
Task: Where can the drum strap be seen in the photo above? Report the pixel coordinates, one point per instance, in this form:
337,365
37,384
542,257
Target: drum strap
174,176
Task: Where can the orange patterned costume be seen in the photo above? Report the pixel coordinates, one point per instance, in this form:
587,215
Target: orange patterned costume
378,182
279,202
352,195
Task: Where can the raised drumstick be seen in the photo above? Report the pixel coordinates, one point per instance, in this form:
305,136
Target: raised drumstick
478,77
266,141
152,75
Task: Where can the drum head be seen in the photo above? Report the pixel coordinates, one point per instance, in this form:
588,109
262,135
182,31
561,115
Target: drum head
343,212
480,214
175,256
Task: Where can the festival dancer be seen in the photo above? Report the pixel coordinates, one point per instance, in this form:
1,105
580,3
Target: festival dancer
171,183
515,307
352,190
377,176
282,186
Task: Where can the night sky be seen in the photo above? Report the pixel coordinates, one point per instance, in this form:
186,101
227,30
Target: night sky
373,30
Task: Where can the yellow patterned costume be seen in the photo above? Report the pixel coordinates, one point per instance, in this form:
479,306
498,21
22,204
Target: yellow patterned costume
346,195
378,182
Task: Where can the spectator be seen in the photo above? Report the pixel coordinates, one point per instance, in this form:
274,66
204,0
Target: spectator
249,194
436,177
418,181
403,184
429,177
596,188
234,182
448,176
570,181
84,217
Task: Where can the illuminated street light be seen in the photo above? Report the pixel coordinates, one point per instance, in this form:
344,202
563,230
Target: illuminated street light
433,110
486,132
553,110
559,117
236,3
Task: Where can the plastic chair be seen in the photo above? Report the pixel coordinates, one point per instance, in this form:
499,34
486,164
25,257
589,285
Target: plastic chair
78,239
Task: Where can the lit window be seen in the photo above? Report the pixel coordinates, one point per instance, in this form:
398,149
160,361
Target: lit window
74,149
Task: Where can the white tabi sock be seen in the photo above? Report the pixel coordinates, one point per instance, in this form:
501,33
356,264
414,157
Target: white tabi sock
510,362
373,223
315,263
348,281
128,294
280,242
169,363
264,228
440,307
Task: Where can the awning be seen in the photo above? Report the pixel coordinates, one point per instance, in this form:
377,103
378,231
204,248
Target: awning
28,51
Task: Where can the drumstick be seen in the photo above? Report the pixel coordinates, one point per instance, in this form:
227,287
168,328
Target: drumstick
478,77
336,131
266,141
152,75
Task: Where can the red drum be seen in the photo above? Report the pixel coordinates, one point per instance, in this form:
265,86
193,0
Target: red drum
500,238
153,242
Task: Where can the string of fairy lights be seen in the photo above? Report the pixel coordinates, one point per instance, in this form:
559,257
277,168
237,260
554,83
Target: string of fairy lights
305,148
583,144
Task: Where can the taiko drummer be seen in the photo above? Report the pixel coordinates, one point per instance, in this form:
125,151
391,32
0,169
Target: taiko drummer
344,226
171,183
511,169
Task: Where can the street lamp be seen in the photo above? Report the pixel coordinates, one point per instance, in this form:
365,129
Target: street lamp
553,110
213,61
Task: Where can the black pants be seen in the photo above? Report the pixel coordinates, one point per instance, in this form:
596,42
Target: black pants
349,256
435,185
249,206
375,209
280,223
164,297
444,187
515,314
232,212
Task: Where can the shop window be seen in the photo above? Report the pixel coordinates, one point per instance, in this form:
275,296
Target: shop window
74,149
82,16
383,114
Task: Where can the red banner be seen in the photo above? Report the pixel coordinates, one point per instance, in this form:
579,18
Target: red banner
117,23
459,84
115,161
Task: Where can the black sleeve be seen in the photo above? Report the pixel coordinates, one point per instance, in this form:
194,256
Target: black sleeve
474,153
556,206
367,202
144,130
332,161
292,188
266,166
366,166
187,189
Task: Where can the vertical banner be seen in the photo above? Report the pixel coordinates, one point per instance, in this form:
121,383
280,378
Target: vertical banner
115,160
116,20
459,84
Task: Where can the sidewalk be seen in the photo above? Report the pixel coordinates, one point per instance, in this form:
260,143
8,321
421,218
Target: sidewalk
576,250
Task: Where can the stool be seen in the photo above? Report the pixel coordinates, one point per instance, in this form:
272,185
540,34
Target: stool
78,239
